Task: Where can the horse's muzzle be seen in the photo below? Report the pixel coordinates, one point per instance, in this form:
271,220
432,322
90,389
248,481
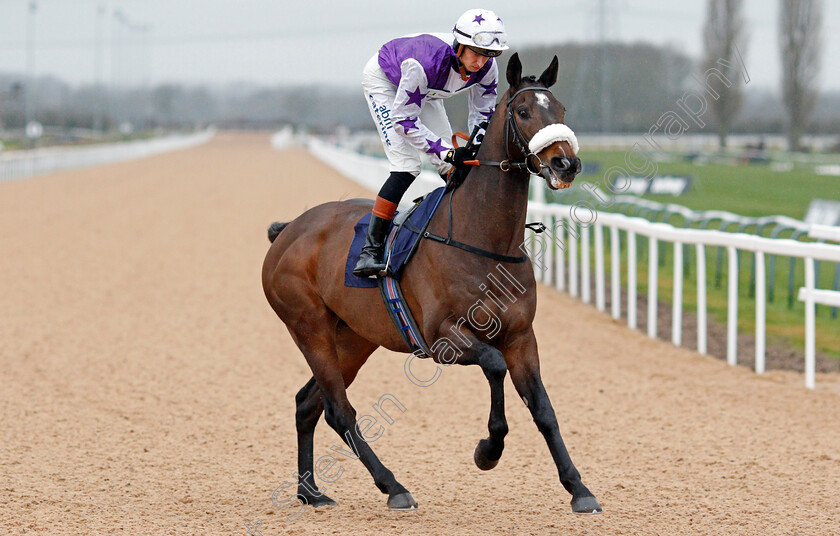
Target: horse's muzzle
560,171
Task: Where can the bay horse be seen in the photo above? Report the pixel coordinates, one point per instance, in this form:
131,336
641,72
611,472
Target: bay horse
338,327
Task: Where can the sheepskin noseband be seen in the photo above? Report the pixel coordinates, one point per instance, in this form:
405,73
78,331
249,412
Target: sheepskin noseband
550,134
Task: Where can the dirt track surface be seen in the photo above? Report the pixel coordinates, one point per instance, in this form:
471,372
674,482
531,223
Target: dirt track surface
147,388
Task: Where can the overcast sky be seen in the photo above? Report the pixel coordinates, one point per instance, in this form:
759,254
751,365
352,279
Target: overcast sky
275,42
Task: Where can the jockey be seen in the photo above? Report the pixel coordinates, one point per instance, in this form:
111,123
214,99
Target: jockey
404,84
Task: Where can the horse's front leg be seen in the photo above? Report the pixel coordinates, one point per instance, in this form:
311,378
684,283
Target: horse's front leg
488,451
523,362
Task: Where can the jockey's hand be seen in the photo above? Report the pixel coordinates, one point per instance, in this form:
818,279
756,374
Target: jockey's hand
457,156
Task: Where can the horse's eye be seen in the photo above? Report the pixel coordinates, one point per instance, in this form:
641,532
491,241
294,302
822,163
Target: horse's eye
523,113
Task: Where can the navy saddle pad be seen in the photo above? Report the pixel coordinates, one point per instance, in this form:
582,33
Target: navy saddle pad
400,243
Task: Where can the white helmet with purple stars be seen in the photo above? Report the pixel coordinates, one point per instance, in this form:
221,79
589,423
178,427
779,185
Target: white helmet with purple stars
481,29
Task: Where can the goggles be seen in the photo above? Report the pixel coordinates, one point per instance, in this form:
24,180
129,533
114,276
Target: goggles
486,39
485,52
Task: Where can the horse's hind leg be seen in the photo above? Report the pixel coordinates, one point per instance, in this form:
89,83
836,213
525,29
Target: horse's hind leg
352,352
318,341
309,408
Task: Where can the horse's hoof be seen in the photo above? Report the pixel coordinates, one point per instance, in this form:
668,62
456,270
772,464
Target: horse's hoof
483,462
320,500
586,505
403,501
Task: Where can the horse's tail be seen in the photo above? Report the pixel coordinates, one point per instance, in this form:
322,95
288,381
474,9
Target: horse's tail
275,229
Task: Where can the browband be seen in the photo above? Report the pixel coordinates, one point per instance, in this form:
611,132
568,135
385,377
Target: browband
529,88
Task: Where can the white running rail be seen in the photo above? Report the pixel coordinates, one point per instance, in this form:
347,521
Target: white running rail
812,296
563,258
22,164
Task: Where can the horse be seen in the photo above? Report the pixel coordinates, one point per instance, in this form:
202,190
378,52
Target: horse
337,327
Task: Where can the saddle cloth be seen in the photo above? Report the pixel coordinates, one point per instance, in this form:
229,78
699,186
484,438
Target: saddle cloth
403,237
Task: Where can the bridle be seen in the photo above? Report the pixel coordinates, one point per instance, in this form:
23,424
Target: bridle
531,162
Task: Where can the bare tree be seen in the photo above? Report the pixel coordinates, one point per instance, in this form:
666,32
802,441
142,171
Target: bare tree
722,33
800,44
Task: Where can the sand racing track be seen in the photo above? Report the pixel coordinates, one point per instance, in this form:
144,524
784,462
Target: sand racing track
147,388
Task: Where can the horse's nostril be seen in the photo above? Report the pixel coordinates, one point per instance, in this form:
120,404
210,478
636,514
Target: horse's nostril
561,163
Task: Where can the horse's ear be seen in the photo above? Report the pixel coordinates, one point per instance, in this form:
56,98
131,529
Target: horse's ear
549,77
514,70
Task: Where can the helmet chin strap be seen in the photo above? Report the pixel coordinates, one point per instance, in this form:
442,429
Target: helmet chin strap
461,68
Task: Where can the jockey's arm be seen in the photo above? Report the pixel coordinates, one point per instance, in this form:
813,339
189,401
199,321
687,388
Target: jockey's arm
411,95
482,98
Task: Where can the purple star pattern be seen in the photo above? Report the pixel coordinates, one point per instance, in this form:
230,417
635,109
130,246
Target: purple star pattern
489,113
435,147
478,18
408,124
489,89
414,97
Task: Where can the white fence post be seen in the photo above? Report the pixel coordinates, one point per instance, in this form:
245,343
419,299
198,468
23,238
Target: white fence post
631,280
573,261
653,286
560,260
760,312
615,272
810,328
732,310
676,309
600,299
701,299
548,270
585,290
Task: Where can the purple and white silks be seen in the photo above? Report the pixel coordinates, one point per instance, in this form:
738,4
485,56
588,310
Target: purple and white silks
422,69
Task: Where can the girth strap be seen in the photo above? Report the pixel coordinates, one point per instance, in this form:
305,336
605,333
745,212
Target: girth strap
475,250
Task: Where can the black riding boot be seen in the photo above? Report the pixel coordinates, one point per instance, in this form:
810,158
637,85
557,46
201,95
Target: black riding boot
369,260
